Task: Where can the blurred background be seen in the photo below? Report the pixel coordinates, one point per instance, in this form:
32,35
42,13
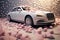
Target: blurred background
49,5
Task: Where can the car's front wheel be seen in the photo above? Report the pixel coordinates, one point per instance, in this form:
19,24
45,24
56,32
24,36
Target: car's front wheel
29,21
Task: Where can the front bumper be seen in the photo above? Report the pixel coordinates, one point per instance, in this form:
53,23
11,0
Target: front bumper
45,20
45,23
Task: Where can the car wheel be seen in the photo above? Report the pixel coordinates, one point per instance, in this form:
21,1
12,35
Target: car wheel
29,21
53,25
8,18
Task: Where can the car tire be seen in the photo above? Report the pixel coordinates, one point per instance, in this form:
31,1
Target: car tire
8,18
29,20
53,25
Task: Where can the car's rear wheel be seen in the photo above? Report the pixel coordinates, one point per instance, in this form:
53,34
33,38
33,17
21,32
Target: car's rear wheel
29,20
8,18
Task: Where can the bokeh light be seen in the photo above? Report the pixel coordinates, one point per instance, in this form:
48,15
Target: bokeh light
49,5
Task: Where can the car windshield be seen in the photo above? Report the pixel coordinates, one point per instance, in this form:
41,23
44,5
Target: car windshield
29,8
26,8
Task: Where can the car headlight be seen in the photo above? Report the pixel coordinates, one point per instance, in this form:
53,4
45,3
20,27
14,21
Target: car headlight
39,15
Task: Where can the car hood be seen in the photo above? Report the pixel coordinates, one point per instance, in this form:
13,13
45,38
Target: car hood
39,12
42,12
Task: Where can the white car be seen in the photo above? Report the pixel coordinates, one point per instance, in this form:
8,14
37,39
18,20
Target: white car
31,17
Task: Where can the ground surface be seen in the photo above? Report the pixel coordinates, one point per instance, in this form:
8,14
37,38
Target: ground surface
11,27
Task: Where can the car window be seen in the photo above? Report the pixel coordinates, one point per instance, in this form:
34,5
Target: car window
15,9
19,9
23,8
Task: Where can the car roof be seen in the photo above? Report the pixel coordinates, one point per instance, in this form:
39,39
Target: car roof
21,6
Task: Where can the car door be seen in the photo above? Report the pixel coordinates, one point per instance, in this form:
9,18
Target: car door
13,14
19,14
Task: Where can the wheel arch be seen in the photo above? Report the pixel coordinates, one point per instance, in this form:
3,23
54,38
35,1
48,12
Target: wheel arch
29,16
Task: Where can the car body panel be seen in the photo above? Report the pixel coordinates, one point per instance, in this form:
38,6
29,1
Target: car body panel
20,15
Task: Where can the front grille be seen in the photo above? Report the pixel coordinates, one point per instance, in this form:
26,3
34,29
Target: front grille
50,16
